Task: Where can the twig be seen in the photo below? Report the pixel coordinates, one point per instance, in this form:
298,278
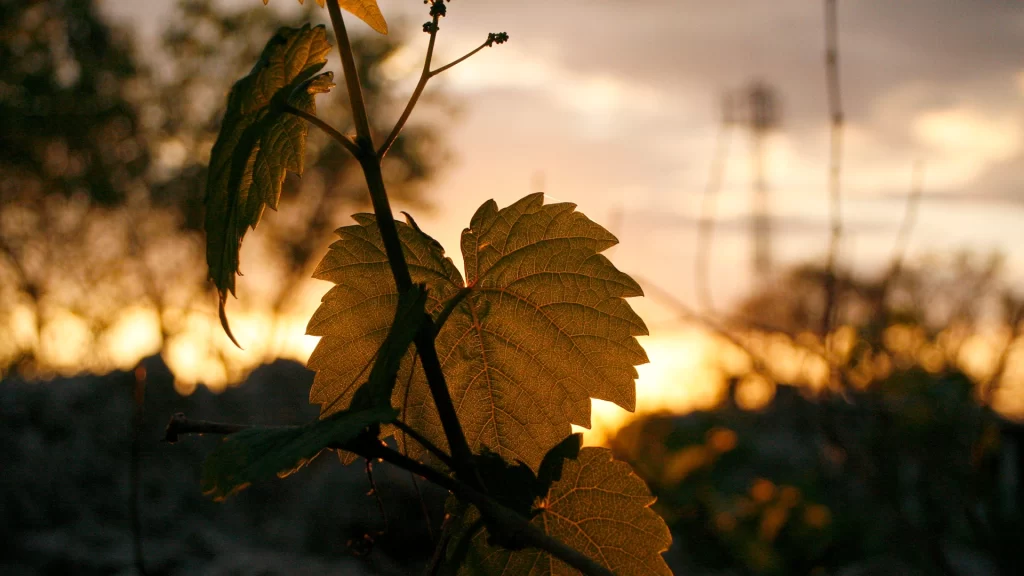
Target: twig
134,503
423,441
179,424
487,44
439,550
376,495
502,518
420,86
899,250
759,366
423,506
346,142
995,381
835,107
706,226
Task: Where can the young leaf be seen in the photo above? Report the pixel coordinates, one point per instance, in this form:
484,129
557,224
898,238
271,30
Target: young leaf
544,328
600,508
554,461
258,143
365,10
258,453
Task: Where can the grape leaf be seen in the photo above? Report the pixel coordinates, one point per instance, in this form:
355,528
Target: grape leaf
257,453
544,328
378,390
258,143
599,507
365,10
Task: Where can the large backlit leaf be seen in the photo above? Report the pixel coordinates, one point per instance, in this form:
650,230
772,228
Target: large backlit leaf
259,142
379,389
258,453
600,508
365,10
545,327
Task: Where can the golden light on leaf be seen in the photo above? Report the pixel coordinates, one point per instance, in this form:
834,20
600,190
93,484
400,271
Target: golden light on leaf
365,10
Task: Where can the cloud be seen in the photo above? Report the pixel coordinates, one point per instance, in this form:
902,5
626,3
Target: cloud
601,100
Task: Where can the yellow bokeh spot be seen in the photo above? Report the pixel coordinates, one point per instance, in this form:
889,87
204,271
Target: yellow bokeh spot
135,335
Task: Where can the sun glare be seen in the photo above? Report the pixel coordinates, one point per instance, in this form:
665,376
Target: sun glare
678,379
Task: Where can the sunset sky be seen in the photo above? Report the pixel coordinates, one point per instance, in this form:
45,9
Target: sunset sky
611,104
615,106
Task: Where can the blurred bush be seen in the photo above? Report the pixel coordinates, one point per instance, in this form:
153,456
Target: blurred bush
899,465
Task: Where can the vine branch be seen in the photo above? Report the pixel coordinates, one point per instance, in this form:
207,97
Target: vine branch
370,163
348,64
504,519
423,441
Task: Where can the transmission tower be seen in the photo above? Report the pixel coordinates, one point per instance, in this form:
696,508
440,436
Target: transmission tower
763,116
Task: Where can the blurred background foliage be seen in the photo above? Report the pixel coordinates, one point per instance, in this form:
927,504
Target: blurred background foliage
103,175
895,463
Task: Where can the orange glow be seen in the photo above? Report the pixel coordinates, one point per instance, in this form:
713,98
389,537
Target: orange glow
679,378
135,335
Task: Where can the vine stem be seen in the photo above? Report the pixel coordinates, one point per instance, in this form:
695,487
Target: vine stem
420,86
502,518
370,163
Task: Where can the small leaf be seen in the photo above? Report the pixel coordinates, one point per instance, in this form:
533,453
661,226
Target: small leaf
512,485
365,10
409,315
258,143
600,508
554,461
542,328
258,453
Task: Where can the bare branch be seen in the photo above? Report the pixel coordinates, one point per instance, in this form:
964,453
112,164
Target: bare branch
454,63
179,424
706,226
423,441
835,166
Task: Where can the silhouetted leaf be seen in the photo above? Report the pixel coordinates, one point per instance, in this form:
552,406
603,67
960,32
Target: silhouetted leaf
554,461
600,508
377,391
365,10
257,453
544,328
512,484
258,143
